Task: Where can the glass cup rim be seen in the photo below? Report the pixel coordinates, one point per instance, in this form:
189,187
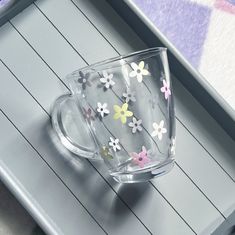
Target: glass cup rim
154,50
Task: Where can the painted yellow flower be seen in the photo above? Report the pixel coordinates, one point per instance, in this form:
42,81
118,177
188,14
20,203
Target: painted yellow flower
122,112
105,153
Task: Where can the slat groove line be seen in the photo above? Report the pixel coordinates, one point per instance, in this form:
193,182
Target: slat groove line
201,191
23,85
206,150
176,116
37,53
48,165
61,34
173,208
95,27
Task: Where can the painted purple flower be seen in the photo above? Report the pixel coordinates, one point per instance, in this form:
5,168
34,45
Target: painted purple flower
87,114
84,80
140,158
166,89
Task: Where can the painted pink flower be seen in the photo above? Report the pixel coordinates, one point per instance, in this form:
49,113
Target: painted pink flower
140,158
166,89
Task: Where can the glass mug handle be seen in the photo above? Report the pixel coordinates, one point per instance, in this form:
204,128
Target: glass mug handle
61,109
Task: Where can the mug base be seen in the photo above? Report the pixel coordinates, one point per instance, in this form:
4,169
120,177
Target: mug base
143,176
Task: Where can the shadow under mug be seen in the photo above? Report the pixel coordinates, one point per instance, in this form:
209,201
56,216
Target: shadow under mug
121,111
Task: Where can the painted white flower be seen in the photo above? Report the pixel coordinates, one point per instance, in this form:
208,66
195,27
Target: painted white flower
138,71
102,109
107,79
114,143
129,96
159,129
135,125
172,146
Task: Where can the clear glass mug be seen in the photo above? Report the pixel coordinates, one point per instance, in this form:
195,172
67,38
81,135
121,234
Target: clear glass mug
121,111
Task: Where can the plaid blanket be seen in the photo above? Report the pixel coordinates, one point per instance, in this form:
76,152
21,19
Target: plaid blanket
204,32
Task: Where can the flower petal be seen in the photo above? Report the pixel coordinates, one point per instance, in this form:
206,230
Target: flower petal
132,74
131,124
127,99
145,72
116,116
155,125
106,111
134,130
144,150
134,66
128,114
139,128
133,99
154,133
112,82
134,120
124,107
107,85
161,124
117,108
139,77
164,130
87,75
163,89
141,65
118,147
103,80
159,135
110,76
125,95
102,114
123,119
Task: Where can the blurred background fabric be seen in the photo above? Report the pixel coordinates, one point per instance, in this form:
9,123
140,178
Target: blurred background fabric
204,32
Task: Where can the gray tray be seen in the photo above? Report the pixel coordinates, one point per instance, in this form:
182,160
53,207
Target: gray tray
187,75
68,196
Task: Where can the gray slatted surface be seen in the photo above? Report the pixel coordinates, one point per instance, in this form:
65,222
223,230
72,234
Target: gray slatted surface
37,49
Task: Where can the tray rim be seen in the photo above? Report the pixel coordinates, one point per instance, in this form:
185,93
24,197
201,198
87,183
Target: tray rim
13,10
197,85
